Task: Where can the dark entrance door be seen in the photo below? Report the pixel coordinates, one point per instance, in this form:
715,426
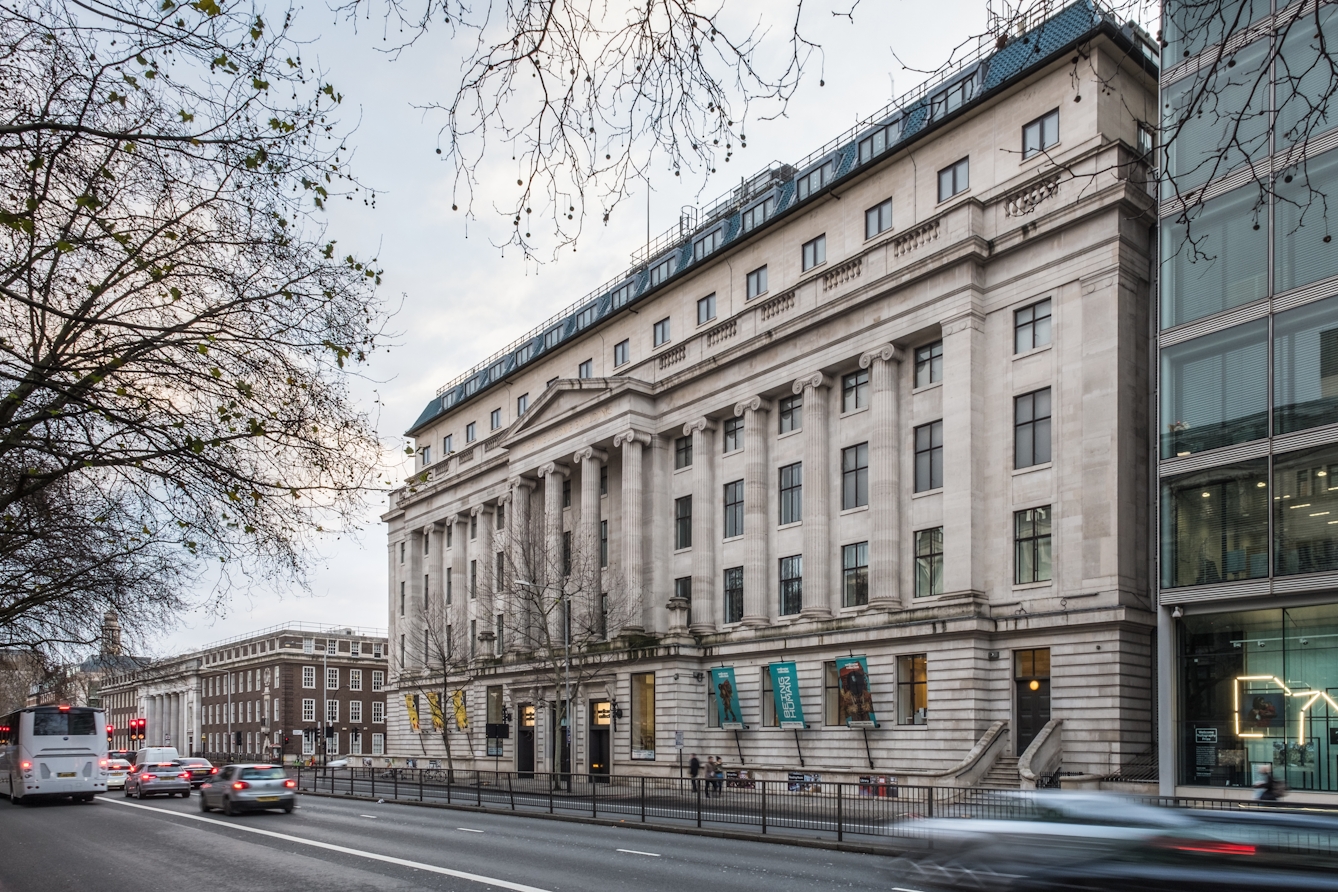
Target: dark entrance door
1031,673
600,755
525,742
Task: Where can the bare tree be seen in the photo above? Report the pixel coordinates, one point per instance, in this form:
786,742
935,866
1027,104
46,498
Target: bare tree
447,661
175,330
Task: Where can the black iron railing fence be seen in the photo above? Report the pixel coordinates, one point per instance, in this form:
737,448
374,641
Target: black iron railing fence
841,811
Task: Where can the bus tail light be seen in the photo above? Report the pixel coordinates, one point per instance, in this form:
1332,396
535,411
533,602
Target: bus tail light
102,764
241,785
26,766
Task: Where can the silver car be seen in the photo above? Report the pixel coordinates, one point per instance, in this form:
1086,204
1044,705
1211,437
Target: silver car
248,787
157,779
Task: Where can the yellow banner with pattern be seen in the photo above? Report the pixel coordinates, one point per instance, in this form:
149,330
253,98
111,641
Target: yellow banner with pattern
461,717
434,703
412,707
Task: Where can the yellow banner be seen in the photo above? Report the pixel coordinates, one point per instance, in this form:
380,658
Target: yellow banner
413,712
461,717
434,703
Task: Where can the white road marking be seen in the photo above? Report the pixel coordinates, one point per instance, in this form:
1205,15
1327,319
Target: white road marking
467,830
373,856
900,889
373,817
635,852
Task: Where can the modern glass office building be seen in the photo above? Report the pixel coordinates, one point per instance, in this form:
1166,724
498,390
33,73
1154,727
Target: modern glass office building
1248,396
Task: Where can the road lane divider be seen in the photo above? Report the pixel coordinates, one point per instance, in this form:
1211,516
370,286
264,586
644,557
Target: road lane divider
635,852
331,847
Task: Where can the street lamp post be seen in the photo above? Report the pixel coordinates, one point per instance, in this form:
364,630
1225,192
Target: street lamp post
227,685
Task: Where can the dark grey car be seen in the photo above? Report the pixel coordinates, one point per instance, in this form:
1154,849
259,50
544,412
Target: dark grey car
248,787
158,779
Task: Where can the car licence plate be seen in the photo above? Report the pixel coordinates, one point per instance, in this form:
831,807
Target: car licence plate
66,774
267,799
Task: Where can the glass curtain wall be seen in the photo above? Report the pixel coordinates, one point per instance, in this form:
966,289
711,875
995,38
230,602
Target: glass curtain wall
1259,688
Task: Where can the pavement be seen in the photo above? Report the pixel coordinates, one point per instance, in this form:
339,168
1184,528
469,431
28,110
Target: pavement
119,845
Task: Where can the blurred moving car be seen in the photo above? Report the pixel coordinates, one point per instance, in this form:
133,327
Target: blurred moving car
249,787
117,769
337,763
158,779
200,770
1047,841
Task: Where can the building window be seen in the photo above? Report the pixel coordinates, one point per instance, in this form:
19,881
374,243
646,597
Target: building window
403,596
1304,510
734,595
378,680
1032,533
552,337
855,390
953,180
661,271
1227,265
500,515
792,493
877,142
929,562
1032,433
586,316
586,369
378,743
309,710
662,332
1214,524
378,712
643,716
331,679
308,676
621,295
757,282
733,509
448,444
929,364
427,455
683,522
758,214
402,660
855,575
522,404
473,579
912,689
682,453
791,584
791,413
332,710
401,552
814,180
566,492
524,353
1214,389
707,244
733,434
706,309
1031,326
473,526
878,219
954,97
603,480
622,352
1305,367
855,476
929,456
495,419
603,545
1040,134
768,701
355,678
815,252
471,432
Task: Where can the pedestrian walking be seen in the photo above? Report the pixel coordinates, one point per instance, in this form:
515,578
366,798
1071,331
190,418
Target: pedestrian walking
1269,788
718,775
694,769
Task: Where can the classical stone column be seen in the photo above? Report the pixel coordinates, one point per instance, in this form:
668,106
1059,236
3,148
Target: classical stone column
458,609
885,541
592,461
481,605
501,576
963,407
520,549
820,598
704,541
550,556
632,534
757,606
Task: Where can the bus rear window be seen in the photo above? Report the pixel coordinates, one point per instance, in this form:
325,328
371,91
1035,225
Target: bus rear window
64,724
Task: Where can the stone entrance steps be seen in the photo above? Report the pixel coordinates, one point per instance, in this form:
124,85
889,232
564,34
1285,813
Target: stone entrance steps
1002,775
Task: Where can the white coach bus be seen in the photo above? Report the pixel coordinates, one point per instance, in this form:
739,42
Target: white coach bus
53,751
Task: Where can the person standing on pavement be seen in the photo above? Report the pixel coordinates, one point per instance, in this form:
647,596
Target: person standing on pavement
694,769
718,775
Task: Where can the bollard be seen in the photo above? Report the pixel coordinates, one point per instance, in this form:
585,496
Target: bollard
643,799
840,831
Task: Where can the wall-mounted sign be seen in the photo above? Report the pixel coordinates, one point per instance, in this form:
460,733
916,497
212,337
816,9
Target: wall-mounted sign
527,716
856,698
726,698
1205,735
601,713
785,690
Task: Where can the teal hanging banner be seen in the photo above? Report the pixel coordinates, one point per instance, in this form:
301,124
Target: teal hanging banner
855,707
785,688
726,698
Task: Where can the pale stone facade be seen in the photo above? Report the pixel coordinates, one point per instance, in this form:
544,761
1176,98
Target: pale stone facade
1069,225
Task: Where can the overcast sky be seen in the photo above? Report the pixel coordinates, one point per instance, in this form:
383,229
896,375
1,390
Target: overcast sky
457,298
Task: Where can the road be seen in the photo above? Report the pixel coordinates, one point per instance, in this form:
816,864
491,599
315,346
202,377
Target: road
119,845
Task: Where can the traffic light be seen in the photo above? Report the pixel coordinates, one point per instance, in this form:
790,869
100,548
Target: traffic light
111,729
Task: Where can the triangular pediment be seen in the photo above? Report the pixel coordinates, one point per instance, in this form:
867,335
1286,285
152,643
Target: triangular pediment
566,396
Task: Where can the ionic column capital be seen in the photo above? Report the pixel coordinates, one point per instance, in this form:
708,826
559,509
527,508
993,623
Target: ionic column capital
887,353
553,469
590,452
504,498
630,437
698,424
478,510
814,381
752,404
524,483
